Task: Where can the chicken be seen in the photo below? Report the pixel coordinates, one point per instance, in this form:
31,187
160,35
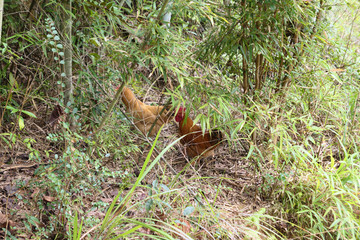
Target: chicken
145,115
196,144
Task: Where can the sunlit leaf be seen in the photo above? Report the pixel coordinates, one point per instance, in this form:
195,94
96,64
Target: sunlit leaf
28,113
21,122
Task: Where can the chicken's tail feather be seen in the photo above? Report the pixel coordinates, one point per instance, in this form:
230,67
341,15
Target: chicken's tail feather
129,98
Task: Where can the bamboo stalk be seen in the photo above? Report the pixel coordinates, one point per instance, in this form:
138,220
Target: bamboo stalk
1,16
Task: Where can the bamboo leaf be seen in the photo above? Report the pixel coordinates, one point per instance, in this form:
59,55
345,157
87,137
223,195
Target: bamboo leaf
21,122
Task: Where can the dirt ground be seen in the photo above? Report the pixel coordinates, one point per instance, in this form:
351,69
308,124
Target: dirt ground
22,200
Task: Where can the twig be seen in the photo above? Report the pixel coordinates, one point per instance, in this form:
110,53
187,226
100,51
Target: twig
15,166
108,112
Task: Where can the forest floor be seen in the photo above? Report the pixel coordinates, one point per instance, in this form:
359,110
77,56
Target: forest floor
227,182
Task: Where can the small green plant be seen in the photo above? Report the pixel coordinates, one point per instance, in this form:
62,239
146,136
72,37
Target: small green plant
20,118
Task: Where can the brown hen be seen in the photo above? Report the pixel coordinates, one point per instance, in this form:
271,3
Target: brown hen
145,116
196,143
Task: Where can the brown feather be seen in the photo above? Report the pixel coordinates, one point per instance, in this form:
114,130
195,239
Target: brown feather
197,144
144,115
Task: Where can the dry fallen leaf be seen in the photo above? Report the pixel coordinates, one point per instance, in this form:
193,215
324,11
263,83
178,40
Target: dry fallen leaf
183,225
48,198
160,215
2,218
337,70
5,222
107,200
96,213
35,193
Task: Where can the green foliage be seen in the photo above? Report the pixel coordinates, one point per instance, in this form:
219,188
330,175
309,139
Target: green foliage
115,215
280,78
76,235
69,175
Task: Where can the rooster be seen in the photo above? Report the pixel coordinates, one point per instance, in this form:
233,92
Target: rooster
145,116
196,143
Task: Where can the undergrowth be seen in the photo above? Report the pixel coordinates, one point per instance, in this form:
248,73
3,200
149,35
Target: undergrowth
299,146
